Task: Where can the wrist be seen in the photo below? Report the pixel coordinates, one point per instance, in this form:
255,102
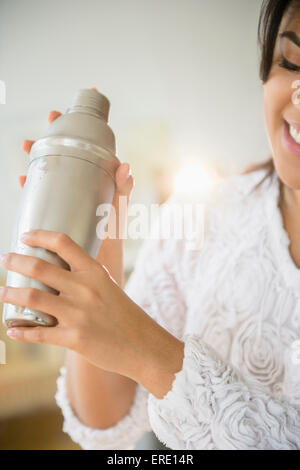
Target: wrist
163,359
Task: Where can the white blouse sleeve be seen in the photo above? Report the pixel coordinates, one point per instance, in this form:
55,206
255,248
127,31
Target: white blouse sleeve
122,436
212,406
153,288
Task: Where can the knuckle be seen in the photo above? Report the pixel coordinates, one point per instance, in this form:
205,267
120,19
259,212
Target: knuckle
77,285
62,240
78,337
90,293
31,296
37,266
9,259
38,335
5,292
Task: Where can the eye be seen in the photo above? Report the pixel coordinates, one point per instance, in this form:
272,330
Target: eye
285,64
290,55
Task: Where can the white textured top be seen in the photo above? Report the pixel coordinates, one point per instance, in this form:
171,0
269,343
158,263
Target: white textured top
236,305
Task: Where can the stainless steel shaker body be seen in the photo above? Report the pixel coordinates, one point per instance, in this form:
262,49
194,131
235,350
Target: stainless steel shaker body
71,173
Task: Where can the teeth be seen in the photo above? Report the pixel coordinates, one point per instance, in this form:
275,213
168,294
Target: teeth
295,134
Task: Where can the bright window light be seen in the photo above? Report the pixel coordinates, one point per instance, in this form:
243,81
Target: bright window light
194,179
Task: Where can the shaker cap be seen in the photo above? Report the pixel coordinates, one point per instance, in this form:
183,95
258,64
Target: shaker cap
92,102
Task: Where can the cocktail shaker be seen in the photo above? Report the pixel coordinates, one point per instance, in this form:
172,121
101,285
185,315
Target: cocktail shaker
71,172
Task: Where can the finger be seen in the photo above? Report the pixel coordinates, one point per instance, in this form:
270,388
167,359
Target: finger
52,304
124,180
56,335
53,276
22,180
27,144
53,115
61,244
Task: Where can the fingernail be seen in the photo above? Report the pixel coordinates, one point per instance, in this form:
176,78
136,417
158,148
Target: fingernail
2,258
25,236
129,173
12,333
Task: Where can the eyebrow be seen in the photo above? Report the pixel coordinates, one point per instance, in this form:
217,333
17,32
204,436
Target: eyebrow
292,37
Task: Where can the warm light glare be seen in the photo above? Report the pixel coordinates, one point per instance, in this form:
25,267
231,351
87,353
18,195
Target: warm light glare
194,179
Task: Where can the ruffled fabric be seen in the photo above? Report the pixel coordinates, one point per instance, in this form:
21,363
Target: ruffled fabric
212,406
279,238
122,436
238,295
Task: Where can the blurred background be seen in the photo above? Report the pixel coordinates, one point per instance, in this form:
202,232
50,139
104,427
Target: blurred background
182,79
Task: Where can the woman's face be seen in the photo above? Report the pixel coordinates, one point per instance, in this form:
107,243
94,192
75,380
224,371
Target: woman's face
281,107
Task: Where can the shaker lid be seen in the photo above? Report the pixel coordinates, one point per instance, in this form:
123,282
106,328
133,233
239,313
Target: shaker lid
75,135
90,101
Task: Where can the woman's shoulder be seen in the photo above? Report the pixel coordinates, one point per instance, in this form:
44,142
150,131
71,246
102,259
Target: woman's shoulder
244,187
238,192
235,221
229,222
238,206
234,212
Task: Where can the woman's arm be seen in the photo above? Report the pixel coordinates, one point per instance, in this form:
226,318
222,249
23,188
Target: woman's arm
100,399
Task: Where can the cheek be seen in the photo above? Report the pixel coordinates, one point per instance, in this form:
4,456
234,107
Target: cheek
277,96
278,105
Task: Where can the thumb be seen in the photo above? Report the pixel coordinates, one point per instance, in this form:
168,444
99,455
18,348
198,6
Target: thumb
124,186
22,180
124,180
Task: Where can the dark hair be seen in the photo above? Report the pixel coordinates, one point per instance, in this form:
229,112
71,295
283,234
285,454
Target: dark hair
271,15
272,12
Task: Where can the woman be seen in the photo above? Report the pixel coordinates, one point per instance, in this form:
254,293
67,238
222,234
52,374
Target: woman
200,347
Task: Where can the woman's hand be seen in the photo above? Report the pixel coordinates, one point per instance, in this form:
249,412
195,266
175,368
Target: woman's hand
95,317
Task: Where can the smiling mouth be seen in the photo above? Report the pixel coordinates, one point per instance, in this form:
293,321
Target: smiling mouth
291,138
294,132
